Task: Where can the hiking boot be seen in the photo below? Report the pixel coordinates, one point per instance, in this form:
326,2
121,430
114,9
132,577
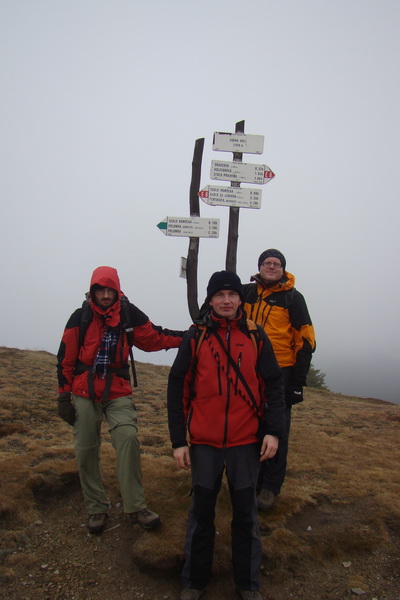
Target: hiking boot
249,595
265,500
97,523
191,594
146,518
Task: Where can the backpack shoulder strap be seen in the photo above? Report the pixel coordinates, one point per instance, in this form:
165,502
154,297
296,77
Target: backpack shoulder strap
199,338
126,319
289,298
253,331
127,326
85,320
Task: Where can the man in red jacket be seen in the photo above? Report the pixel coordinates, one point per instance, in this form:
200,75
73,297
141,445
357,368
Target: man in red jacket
94,382
221,393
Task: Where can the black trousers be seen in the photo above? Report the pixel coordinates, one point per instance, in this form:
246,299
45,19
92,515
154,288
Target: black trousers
242,468
273,471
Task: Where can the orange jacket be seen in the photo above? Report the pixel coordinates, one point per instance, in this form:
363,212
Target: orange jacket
282,312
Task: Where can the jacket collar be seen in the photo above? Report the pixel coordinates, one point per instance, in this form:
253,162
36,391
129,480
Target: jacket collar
286,283
210,319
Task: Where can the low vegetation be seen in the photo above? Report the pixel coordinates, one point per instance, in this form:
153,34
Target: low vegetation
334,531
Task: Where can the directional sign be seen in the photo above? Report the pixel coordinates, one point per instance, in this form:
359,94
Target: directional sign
241,172
238,142
231,196
190,227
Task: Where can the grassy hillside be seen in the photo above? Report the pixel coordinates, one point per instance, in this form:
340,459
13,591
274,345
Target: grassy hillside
335,527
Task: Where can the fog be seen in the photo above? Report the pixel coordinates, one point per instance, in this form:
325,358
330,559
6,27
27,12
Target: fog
101,104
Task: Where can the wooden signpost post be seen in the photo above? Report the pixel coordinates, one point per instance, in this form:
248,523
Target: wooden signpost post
236,172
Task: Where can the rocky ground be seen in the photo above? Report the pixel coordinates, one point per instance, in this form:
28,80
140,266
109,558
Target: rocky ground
55,558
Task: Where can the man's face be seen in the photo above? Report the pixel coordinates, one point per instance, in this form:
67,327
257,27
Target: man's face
105,297
271,270
225,303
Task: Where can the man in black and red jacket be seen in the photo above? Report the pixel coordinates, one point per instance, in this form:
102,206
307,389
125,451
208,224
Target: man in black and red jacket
94,382
220,395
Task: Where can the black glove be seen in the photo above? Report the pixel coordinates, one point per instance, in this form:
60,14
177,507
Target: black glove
66,410
294,395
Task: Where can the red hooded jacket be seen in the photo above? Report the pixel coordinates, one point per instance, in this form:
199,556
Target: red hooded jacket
214,408
146,336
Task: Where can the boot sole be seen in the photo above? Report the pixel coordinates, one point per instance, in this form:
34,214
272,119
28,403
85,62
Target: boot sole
151,525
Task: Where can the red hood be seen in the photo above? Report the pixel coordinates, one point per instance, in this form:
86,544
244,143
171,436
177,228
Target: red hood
107,277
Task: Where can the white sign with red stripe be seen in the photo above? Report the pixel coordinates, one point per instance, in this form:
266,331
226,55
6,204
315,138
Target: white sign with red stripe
238,142
240,172
231,196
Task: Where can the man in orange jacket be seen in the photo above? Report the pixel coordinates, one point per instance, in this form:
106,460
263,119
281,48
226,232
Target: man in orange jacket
272,301
94,382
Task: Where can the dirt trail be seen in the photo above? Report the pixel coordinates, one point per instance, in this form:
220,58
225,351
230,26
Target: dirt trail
55,558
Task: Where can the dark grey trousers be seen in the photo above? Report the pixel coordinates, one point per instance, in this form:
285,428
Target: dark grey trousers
273,471
241,464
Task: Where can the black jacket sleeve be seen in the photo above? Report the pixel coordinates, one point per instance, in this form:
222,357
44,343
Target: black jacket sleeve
178,380
272,376
304,336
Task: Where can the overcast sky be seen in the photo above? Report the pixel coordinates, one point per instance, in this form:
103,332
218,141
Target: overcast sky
101,104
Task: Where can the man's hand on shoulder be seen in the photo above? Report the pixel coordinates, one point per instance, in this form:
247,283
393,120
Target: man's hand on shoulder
65,409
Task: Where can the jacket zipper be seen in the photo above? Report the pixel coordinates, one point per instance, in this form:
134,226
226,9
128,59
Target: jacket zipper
237,374
259,303
228,388
218,373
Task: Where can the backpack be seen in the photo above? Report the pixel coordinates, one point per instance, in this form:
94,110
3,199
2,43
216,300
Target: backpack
126,325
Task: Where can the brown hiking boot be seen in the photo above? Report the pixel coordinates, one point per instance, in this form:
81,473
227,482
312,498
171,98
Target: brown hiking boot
265,499
97,523
145,517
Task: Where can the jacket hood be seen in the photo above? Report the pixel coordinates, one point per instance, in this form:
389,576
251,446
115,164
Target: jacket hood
106,277
287,283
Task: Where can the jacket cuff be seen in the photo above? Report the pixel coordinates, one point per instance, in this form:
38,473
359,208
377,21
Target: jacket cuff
64,389
179,444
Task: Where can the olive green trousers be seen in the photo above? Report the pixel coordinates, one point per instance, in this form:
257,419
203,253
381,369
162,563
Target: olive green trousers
120,415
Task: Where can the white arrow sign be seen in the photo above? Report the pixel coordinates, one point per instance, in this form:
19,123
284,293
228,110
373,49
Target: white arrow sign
231,196
238,142
190,227
241,172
